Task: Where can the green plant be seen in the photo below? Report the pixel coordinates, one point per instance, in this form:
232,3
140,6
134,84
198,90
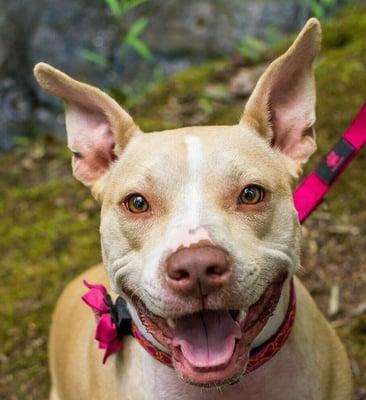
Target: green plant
21,140
320,8
95,58
129,95
130,39
119,8
253,48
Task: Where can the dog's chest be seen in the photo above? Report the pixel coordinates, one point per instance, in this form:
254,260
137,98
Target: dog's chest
289,384
283,378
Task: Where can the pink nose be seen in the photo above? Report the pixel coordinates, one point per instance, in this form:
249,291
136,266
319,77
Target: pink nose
198,270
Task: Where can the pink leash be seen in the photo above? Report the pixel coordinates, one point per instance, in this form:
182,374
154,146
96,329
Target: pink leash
312,190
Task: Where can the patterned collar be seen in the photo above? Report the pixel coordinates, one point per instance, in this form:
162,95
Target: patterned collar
114,322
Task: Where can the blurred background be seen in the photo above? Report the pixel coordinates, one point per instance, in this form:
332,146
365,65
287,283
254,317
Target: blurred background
170,63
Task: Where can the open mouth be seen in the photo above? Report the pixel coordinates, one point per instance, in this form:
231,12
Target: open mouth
211,347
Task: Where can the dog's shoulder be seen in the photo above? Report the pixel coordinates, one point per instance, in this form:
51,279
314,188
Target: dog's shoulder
329,361
69,304
76,288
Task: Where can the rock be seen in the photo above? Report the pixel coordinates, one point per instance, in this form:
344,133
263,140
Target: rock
217,92
15,111
179,33
243,83
202,28
63,31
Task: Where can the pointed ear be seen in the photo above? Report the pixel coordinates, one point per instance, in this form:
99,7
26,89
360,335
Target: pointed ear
282,105
98,129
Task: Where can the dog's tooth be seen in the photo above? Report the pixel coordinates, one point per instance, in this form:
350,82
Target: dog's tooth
170,323
241,316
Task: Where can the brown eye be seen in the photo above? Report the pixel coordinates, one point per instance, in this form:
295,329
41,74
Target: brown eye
252,194
137,204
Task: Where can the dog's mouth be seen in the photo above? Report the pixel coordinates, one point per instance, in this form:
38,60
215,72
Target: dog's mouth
211,347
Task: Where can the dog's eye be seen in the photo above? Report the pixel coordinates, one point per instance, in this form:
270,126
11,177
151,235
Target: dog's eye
252,194
137,204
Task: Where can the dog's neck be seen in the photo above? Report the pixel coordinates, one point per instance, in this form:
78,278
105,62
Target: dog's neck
279,315
165,384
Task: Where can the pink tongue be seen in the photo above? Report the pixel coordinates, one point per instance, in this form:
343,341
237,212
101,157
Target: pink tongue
207,339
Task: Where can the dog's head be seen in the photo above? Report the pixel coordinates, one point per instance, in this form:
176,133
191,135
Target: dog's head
198,225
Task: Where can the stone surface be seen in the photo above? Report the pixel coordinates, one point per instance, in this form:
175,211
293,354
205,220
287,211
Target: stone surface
244,81
179,33
203,28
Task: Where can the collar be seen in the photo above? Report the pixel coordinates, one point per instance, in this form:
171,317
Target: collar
114,322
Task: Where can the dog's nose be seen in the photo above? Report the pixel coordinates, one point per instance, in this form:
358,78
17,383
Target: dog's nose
198,270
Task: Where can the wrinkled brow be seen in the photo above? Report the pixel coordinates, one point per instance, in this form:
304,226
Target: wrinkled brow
153,178
237,172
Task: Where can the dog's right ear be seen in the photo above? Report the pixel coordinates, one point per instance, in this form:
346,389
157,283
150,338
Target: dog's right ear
98,129
282,105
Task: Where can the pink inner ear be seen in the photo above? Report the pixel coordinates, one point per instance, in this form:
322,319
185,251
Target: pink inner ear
292,116
91,138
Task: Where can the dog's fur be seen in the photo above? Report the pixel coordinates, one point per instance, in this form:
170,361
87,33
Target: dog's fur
192,178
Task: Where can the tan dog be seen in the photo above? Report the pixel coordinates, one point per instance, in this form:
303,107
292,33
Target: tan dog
199,234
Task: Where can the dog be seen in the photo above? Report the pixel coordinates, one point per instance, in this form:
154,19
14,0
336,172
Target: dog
200,237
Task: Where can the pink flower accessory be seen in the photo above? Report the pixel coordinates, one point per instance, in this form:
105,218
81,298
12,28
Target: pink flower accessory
113,320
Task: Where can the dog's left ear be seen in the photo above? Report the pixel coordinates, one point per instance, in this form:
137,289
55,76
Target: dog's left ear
98,129
282,105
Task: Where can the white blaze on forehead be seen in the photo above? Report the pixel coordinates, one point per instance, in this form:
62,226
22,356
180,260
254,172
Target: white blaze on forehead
194,187
185,227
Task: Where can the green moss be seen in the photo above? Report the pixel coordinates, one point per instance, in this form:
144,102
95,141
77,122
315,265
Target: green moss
182,98
49,232
341,83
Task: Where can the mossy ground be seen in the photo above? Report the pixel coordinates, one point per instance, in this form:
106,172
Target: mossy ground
48,233
49,224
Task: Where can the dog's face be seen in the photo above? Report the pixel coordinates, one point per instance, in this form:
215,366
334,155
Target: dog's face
198,227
